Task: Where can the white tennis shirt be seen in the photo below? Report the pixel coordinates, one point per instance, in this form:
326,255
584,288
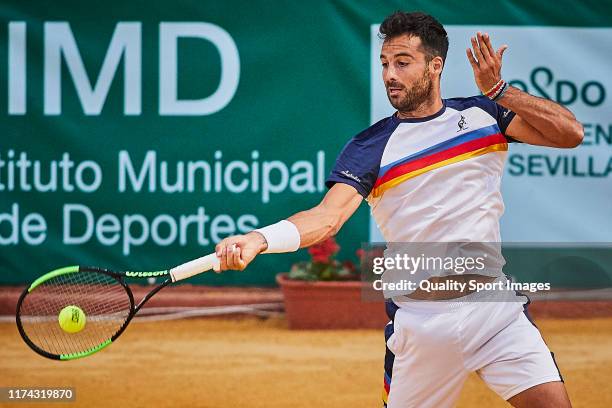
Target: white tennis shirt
432,179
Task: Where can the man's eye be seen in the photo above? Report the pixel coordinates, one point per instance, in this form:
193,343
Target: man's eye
384,64
402,64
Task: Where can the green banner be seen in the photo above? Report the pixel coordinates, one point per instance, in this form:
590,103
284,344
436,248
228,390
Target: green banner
136,135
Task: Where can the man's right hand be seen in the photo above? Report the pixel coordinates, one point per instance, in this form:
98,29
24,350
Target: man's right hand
314,225
237,251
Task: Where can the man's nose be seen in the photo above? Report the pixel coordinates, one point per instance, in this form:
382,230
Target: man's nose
389,75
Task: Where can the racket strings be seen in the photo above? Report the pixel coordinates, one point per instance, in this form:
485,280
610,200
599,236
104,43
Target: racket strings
102,298
71,292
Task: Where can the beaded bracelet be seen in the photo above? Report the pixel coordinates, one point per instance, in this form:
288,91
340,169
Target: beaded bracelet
501,92
493,88
491,93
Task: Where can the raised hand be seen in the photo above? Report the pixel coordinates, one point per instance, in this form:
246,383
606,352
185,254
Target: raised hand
485,62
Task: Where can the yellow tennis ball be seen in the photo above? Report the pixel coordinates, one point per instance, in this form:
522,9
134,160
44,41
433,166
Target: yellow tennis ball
72,319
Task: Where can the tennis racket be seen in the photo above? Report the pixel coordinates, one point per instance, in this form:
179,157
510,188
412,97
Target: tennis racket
103,296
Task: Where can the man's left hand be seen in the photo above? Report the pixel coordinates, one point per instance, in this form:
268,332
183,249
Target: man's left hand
485,62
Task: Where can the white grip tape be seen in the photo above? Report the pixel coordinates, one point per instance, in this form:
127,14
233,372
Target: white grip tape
191,268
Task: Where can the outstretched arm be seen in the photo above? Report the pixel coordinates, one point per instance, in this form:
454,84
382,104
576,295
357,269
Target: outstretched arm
323,221
313,225
538,121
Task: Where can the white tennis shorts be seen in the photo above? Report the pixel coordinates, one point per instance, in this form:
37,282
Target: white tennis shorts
433,346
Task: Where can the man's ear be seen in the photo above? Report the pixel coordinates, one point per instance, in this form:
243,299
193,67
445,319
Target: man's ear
436,65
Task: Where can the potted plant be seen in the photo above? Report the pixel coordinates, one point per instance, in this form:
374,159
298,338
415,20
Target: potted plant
324,293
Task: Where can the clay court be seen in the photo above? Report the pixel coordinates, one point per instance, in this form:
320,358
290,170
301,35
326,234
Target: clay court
252,362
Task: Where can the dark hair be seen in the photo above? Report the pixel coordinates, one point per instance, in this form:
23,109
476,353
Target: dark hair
432,34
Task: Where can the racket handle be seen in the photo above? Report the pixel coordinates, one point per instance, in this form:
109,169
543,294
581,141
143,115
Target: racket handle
195,267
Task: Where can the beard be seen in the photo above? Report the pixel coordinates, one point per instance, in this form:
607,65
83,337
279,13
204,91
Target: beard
415,96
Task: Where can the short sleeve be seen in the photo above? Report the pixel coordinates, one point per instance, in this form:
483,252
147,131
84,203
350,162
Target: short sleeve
351,169
504,116
359,161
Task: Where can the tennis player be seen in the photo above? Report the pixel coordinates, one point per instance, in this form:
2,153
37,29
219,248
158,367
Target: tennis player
431,172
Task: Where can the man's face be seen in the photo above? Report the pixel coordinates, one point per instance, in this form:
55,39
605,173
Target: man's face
405,72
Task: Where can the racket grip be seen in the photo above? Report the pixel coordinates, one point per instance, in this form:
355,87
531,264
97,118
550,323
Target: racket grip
195,267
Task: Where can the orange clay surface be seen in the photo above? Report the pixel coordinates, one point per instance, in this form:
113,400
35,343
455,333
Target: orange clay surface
259,363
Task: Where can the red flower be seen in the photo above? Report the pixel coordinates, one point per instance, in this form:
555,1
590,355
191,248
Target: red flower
323,251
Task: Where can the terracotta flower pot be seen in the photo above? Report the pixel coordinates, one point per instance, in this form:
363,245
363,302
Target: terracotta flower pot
329,305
